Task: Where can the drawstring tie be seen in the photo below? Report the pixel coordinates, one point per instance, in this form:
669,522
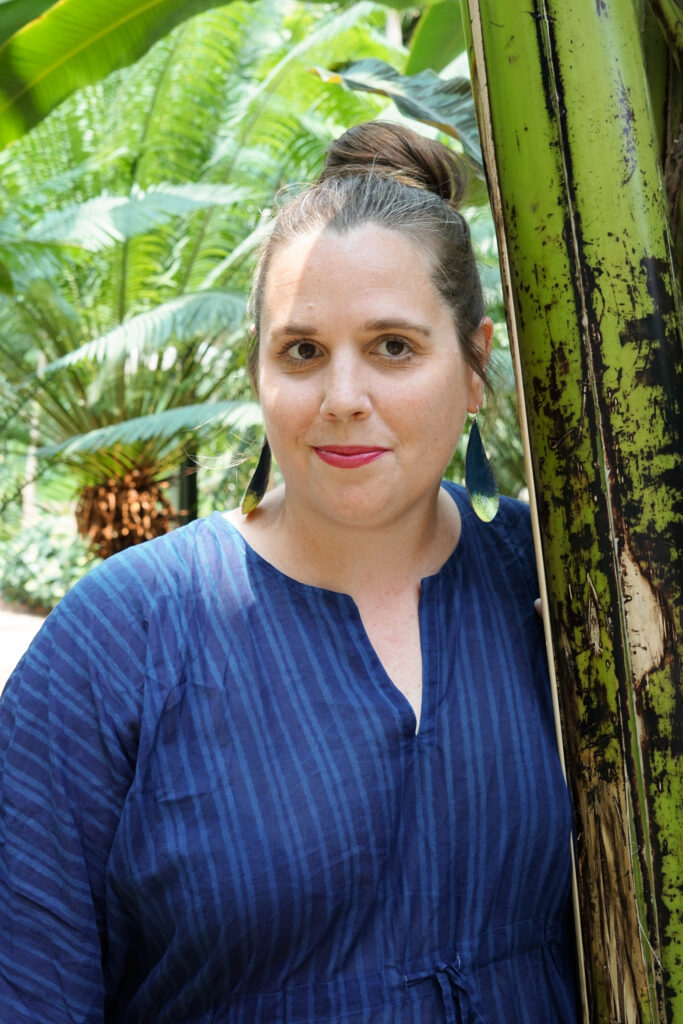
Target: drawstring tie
460,1003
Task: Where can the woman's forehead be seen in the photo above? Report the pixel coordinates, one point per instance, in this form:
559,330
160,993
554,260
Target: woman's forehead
355,266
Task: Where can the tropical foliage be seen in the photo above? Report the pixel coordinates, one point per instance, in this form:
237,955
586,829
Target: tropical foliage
124,307
128,223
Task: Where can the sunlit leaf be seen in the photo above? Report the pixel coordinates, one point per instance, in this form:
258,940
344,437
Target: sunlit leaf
73,43
6,282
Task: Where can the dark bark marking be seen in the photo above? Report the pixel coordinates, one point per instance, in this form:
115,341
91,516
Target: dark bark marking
628,126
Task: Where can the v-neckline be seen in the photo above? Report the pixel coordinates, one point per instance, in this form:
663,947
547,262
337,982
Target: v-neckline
418,729
253,554
403,704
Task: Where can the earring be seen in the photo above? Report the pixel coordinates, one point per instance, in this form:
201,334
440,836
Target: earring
258,485
479,479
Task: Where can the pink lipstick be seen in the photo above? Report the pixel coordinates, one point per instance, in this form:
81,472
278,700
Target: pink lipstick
348,456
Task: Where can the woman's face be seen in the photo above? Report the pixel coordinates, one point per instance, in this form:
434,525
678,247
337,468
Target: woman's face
362,381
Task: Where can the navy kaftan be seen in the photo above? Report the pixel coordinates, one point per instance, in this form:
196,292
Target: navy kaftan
216,809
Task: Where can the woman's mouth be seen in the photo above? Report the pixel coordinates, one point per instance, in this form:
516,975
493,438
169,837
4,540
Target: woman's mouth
348,456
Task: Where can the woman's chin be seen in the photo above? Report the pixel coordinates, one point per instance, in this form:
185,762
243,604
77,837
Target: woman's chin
361,507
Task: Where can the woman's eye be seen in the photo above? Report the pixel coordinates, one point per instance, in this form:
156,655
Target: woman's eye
302,351
394,348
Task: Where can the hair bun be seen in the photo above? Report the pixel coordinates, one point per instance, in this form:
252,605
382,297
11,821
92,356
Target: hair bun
393,149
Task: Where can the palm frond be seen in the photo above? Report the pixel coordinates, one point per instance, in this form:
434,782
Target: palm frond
245,248
206,314
199,420
106,220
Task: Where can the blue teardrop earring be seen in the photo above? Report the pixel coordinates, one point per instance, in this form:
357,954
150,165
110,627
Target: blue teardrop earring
479,479
258,485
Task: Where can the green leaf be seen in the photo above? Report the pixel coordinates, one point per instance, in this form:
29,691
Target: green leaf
245,248
444,104
75,43
106,220
205,314
438,38
202,419
14,14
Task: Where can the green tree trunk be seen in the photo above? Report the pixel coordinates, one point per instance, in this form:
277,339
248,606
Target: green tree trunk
594,314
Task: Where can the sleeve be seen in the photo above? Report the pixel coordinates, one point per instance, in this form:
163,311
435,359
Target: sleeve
68,736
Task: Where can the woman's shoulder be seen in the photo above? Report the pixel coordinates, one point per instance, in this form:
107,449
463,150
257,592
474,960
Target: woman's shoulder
134,602
506,542
167,568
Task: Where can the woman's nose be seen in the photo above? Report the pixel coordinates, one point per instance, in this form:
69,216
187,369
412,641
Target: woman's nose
345,395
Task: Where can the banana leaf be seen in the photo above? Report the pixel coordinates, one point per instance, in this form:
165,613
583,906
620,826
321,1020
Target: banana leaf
438,38
445,104
71,44
14,14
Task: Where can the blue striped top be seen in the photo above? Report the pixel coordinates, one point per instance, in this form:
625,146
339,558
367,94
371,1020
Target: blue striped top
216,810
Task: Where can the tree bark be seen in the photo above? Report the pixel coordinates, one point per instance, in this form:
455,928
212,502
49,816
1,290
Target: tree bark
595,322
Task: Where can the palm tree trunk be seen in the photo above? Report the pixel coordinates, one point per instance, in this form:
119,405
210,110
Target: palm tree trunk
594,316
188,492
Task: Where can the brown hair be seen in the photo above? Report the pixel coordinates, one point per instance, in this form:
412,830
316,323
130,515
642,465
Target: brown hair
387,174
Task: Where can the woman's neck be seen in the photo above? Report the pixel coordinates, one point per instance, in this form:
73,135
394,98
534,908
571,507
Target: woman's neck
352,558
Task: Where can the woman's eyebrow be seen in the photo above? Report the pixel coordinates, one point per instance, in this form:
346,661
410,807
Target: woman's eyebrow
292,330
397,323
379,324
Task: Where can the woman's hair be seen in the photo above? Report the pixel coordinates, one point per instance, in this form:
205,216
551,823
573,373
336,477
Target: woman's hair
388,175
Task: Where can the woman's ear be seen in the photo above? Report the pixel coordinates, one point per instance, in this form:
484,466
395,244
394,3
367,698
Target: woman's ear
486,333
482,339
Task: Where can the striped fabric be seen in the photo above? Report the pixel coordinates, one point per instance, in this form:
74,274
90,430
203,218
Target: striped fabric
216,810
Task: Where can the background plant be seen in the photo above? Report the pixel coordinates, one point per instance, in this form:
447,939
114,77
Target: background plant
129,220
122,338
40,563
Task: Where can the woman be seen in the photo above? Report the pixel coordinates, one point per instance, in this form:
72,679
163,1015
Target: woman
299,765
